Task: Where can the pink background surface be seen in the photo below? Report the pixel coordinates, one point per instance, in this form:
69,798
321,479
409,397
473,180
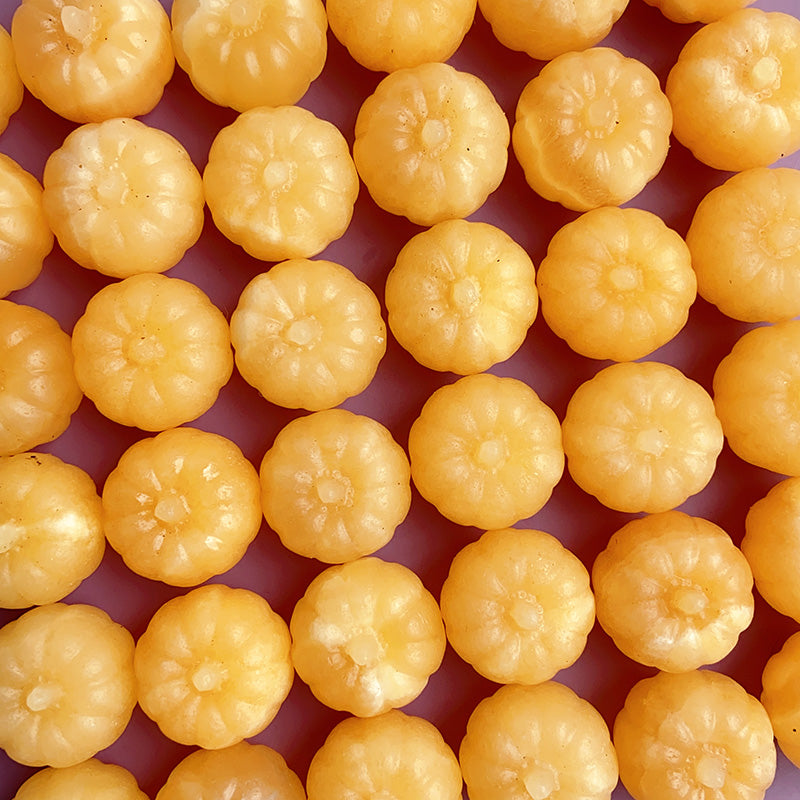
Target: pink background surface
425,541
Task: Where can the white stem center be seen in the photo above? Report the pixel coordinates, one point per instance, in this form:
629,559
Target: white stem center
465,295
540,782
689,600
434,133
491,453
526,613
303,331
711,771
624,278
652,441
330,490
764,73
243,13
77,23
208,677
364,649
171,509
42,697
276,174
